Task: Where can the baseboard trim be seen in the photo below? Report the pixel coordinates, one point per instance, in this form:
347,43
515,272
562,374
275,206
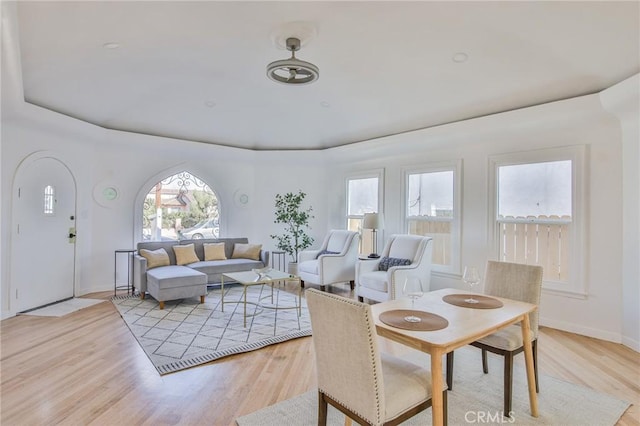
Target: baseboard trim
582,330
631,343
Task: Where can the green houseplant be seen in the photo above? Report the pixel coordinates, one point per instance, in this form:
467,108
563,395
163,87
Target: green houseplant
290,212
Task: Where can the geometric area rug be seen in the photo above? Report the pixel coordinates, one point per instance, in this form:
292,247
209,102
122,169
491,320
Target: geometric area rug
476,399
187,333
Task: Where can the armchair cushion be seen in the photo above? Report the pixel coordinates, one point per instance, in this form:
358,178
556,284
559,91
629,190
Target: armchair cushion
308,266
321,252
388,262
377,280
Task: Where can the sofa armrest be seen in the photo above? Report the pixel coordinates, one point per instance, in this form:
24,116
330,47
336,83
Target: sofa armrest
264,257
140,273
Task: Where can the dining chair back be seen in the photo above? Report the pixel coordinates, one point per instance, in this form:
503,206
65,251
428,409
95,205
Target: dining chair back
365,385
517,282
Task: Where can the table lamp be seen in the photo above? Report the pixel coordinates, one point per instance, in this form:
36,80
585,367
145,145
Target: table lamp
373,221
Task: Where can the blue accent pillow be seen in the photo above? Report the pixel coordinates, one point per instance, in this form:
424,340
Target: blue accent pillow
388,262
326,252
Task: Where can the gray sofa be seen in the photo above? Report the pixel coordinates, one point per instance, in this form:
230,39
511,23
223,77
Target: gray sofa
179,282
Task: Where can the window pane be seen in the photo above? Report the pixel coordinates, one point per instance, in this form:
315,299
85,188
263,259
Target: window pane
366,240
537,189
441,234
49,196
181,206
430,194
362,196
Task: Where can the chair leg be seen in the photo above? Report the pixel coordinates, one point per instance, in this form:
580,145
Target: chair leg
352,284
508,381
322,410
323,288
450,370
534,345
301,284
201,299
445,409
161,305
485,365
360,299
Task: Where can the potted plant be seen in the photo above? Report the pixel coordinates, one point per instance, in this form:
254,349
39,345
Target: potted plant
294,239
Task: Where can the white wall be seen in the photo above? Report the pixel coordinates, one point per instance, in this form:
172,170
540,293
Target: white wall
623,100
580,121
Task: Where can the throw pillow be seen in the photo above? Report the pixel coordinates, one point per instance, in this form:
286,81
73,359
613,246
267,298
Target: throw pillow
326,252
388,262
186,254
155,258
246,251
214,251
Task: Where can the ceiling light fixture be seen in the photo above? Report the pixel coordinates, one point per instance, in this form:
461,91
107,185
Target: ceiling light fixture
293,70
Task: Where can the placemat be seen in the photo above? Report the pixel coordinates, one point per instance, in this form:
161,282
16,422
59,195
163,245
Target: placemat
484,302
430,322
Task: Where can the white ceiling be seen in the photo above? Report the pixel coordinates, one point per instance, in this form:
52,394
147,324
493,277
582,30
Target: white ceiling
196,70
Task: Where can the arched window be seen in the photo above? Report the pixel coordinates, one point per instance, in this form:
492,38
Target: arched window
180,207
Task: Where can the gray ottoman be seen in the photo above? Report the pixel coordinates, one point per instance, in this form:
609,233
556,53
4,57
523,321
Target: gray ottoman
175,282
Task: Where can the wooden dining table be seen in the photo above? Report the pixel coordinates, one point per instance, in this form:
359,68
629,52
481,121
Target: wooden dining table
465,325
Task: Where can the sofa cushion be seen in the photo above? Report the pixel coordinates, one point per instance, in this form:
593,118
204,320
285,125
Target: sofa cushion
173,276
388,262
185,254
214,251
155,258
212,267
246,251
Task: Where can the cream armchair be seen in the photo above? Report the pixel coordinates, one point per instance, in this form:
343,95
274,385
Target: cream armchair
403,256
333,263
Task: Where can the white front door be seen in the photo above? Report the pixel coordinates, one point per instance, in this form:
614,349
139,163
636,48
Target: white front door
44,214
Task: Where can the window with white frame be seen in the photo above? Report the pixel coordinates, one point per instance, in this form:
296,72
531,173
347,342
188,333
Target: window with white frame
432,209
363,196
538,216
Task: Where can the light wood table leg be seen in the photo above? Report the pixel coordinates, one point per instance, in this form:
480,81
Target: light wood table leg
437,385
528,356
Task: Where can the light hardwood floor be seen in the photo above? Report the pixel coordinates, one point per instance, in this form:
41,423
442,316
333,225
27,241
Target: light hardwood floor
87,368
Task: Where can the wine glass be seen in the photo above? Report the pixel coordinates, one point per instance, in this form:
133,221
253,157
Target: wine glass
413,290
471,277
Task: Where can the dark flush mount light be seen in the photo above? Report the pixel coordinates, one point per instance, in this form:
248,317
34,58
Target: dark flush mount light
293,70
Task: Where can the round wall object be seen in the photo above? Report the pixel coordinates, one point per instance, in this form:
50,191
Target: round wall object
240,198
106,194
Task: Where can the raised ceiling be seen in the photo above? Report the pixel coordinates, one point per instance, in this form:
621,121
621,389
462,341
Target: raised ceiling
196,70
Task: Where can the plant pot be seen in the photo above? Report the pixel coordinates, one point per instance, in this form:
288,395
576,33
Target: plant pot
293,268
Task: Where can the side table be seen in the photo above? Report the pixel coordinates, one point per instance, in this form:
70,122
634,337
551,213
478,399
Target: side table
129,285
278,261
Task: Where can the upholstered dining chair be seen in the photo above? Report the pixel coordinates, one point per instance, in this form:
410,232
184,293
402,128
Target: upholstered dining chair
517,282
403,255
333,263
367,386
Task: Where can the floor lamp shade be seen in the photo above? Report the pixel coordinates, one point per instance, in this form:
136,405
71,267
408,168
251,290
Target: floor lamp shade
373,221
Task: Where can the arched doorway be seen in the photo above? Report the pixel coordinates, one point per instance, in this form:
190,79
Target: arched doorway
43,233
181,206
